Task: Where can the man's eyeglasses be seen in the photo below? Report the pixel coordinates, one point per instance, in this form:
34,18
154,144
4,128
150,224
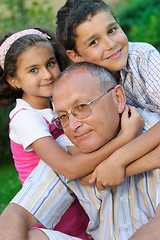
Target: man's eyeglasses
80,111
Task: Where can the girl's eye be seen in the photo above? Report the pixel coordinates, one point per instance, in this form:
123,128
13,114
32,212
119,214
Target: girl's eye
51,64
93,42
34,70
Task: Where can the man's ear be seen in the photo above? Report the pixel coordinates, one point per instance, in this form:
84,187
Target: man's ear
74,56
120,98
12,81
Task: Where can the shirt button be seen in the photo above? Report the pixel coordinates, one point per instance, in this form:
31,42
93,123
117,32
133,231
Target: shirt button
121,198
125,226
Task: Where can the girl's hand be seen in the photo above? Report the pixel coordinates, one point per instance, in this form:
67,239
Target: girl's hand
132,123
108,174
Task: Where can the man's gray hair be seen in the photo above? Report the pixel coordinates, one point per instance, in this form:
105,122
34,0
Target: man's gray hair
107,81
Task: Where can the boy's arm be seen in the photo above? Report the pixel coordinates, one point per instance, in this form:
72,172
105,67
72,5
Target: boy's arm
111,172
149,161
15,222
140,146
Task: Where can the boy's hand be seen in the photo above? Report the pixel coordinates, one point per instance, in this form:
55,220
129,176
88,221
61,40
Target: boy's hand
132,122
108,174
111,172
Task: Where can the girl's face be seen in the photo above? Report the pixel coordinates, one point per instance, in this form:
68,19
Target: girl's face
100,40
37,69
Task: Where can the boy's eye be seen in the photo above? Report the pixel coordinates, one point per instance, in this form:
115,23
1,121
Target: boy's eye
93,42
33,70
112,30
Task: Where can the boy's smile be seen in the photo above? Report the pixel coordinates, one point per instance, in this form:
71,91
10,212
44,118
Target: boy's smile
100,40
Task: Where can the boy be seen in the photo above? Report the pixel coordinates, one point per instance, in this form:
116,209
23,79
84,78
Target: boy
90,32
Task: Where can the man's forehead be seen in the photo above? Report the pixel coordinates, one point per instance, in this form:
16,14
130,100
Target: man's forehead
77,78
74,87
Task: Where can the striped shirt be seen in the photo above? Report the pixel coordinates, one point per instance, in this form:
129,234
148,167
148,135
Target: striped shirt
141,76
114,214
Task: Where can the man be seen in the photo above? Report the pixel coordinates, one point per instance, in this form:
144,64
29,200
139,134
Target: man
90,115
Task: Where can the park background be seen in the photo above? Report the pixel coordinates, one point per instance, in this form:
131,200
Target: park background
140,20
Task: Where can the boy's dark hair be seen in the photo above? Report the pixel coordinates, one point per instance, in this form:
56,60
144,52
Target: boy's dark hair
72,14
9,94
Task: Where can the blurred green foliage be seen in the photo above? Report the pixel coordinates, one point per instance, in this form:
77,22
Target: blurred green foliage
5,152
21,14
10,184
140,20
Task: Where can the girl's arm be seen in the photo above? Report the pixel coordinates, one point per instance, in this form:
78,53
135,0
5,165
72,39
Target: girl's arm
144,149
82,164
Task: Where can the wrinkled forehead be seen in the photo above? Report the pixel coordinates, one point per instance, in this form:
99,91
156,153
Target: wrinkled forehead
75,86
76,79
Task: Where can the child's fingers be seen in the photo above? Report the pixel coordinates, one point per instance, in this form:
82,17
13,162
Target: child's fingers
126,112
132,109
93,178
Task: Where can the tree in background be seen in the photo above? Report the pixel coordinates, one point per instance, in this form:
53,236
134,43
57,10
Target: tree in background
20,14
140,20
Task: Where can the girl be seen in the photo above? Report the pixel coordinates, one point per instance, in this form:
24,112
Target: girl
30,60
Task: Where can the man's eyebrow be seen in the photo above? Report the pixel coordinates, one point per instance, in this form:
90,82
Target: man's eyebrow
95,34
74,103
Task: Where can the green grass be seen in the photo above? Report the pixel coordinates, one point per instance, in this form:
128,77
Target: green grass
10,185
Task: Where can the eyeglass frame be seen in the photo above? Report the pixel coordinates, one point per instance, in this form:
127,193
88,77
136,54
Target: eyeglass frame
74,114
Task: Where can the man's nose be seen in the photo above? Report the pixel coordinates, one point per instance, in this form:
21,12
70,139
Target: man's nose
74,122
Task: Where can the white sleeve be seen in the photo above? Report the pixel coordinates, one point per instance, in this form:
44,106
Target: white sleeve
27,126
68,142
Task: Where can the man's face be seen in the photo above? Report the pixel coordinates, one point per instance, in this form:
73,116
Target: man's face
100,40
101,125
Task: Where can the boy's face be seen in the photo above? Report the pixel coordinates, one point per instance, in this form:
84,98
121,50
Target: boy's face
100,40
